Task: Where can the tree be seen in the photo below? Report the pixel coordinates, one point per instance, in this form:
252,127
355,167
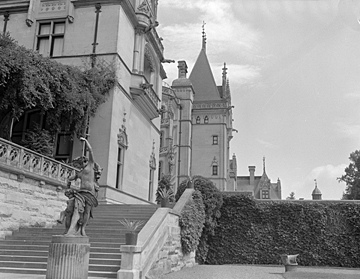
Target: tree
291,196
352,177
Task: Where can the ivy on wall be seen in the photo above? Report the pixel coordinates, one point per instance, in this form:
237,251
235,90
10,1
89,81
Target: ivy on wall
191,222
213,200
255,232
67,94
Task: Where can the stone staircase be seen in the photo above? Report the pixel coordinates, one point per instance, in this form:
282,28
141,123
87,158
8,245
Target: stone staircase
26,251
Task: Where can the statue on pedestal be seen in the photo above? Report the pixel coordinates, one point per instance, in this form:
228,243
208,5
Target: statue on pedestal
81,201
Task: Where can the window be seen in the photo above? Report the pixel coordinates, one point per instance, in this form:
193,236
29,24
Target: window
161,139
35,119
120,167
215,140
265,194
63,147
206,119
159,170
50,38
151,183
198,120
214,170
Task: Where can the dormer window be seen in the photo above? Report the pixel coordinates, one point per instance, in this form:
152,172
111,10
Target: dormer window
206,119
50,38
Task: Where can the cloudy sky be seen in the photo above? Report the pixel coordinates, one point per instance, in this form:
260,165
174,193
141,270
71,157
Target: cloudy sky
294,70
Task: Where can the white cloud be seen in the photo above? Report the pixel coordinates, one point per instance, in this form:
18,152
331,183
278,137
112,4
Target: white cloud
348,130
228,39
326,177
267,144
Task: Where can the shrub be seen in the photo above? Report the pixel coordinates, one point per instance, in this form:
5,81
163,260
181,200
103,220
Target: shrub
256,232
212,198
164,189
191,222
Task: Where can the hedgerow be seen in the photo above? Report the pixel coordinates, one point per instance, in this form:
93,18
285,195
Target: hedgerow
255,232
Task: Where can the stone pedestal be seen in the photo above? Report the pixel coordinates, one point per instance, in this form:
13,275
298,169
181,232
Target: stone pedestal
68,258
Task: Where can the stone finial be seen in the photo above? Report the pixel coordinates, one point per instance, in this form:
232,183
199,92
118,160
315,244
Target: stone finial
203,37
182,66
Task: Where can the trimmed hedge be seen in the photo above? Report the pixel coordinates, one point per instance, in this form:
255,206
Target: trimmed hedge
255,232
191,222
213,201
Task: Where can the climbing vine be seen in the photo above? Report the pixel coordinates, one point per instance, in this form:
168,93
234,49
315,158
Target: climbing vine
67,94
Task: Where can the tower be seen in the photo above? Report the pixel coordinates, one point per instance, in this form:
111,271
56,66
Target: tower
316,193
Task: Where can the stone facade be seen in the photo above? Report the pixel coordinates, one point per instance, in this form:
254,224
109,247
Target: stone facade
259,187
26,202
196,126
125,132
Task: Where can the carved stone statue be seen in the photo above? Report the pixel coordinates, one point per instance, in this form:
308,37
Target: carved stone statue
81,202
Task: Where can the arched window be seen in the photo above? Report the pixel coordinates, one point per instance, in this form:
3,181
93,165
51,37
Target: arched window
206,119
198,120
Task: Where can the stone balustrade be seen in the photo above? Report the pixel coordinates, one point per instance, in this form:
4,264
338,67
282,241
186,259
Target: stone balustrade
31,188
17,158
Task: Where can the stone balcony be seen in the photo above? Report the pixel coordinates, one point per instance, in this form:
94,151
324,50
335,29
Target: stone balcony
144,96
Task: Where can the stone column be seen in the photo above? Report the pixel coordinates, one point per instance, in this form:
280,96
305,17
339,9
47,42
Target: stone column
68,258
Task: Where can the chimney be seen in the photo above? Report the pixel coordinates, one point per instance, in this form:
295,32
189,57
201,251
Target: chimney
182,69
252,174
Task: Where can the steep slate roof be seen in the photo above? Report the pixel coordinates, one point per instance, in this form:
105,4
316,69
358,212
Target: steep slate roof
203,80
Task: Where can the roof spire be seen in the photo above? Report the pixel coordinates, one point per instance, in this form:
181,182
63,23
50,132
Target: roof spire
264,163
224,77
203,36
315,183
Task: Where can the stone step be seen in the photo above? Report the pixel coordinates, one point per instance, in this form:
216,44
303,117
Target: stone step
47,243
104,274
43,265
60,230
46,248
26,251
45,254
94,261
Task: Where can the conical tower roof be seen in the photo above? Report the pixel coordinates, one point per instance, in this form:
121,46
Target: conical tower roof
203,80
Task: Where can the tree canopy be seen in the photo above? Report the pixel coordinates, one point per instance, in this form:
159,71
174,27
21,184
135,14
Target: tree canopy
352,177
67,94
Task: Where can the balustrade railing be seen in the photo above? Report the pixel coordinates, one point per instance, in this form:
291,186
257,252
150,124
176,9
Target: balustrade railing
24,159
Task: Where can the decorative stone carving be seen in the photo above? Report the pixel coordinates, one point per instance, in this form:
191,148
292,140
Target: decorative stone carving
152,161
52,6
144,7
122,135
80,203
149,58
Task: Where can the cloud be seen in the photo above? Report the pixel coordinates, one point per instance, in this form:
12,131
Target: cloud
348,130
228,39
267,144
326,177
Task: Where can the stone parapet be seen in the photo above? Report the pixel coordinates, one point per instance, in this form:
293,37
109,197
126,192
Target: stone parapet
158,249
26,202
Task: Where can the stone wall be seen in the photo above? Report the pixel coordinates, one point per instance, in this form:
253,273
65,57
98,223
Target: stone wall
158,248
28,202
170,258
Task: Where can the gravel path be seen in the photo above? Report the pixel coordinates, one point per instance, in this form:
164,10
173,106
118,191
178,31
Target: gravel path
262,272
